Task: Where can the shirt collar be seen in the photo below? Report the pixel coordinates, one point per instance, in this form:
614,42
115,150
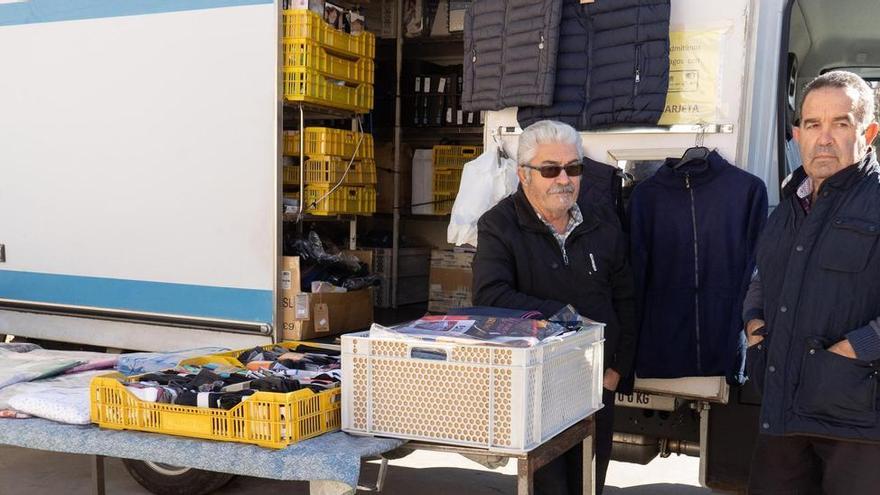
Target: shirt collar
805,189
575,218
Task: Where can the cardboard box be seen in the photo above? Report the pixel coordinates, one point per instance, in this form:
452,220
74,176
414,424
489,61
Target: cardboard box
451,280
307,316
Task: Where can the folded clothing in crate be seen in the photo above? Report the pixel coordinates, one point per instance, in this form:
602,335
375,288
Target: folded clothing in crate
221,386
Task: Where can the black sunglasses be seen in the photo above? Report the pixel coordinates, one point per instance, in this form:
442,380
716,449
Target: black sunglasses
553,171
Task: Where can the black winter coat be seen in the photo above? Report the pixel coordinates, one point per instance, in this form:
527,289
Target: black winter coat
519,265
612,65
821,280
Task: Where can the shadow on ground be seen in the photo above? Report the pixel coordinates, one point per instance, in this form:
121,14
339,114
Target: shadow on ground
657,489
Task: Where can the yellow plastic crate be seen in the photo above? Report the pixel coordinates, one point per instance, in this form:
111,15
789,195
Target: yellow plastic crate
308,54
446,156
357,200
331,169
266,419
446,181
299,24
311,86
327,141
443,202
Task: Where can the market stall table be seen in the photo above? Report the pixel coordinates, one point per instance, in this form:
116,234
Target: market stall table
583,432
330,462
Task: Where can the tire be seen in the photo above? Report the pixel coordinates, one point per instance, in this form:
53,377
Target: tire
163,479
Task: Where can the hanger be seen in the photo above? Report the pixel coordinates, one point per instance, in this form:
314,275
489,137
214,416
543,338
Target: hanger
698,152
502,153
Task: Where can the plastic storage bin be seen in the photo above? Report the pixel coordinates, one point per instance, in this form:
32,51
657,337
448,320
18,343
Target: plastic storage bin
311,86
443,202
305,24
447,180
500,398
446,156
331,169
356,200
308,54
326,141
267,419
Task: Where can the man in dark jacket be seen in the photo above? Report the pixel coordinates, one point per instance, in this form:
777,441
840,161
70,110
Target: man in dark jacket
540,249
812,310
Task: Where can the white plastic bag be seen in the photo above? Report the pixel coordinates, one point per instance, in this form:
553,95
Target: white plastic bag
485,181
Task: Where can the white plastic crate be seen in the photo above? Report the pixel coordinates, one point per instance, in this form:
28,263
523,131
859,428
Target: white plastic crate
503,399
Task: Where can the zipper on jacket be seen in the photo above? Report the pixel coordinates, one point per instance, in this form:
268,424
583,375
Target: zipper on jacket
637,69
638,64
687,184
500,95
582,117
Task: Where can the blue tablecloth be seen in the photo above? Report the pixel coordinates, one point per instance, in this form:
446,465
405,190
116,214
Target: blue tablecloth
329,457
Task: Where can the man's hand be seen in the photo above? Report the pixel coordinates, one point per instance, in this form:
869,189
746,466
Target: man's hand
844,348
751,326
612,378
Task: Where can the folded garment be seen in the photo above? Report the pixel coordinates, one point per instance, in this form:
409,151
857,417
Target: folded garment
76,380
18,367
95,364
65,405
19,346
13,414
145,392
146,362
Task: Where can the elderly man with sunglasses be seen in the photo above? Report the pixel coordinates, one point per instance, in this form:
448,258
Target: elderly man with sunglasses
540,249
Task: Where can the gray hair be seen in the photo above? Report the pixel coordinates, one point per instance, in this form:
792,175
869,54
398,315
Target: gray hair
864,110
546,131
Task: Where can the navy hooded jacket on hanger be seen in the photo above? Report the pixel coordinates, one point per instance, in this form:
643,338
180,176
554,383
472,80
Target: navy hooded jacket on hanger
693,235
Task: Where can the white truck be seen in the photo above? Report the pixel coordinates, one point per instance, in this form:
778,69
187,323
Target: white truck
140,197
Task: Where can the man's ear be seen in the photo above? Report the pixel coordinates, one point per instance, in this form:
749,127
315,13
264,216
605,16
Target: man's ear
871,132
796,133
521,173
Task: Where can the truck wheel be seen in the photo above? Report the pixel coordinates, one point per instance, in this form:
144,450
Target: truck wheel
164,479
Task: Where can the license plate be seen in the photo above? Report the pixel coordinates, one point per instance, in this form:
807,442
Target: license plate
641,400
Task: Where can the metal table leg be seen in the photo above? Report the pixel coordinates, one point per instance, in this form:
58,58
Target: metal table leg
98,487
589,468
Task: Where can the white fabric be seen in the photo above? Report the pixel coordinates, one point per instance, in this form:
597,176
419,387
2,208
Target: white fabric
18,367
77,380
485,181
65,405
148,394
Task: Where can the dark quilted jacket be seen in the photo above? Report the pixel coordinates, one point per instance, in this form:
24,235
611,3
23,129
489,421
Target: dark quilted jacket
510,53
612,68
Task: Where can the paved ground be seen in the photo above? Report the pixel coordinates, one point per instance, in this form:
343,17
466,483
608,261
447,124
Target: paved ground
32,472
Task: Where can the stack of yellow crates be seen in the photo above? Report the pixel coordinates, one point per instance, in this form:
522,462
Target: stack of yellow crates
334,156
448,163
325,66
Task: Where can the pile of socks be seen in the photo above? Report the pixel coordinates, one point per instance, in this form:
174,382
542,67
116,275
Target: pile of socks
279,370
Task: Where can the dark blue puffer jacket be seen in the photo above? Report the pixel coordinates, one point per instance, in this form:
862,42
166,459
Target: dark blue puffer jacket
612,65
693,236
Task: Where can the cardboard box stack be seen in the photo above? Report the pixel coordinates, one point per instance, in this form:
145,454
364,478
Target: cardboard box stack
307,315
450,281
